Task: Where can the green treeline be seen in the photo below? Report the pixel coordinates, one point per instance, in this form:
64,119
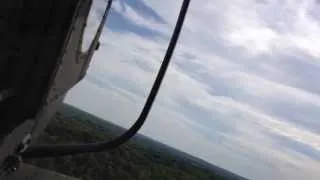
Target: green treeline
140,158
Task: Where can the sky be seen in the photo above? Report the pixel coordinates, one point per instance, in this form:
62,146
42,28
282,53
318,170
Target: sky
241,91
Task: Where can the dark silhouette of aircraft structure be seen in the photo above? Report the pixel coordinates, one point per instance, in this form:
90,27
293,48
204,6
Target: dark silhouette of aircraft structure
40,60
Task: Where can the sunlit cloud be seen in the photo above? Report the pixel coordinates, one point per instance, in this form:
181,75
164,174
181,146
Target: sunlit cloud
241,90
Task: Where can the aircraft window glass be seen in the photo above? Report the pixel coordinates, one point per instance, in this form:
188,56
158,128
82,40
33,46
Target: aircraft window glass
93,21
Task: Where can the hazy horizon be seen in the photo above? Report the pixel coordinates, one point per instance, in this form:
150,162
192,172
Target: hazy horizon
241,90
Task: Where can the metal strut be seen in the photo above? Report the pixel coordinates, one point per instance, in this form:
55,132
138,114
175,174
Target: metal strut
68,149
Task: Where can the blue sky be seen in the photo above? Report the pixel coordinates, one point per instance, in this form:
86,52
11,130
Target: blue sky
241,91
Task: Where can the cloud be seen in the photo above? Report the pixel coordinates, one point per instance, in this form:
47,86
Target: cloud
241,89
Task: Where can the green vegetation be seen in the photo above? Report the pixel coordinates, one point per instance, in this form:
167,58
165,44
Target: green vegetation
141,158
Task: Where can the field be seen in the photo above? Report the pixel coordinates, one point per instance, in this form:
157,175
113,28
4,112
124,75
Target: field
141,158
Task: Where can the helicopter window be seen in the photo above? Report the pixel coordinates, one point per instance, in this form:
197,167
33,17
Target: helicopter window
93,21
242,92
69,149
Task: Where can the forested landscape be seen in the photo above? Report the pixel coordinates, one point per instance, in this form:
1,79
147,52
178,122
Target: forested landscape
141,158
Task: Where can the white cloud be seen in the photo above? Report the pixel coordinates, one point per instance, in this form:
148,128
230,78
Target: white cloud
230,92
134,16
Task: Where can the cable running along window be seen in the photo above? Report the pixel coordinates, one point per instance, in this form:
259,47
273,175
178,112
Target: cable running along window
68,149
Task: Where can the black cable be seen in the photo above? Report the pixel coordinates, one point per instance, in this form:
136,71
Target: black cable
69,149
